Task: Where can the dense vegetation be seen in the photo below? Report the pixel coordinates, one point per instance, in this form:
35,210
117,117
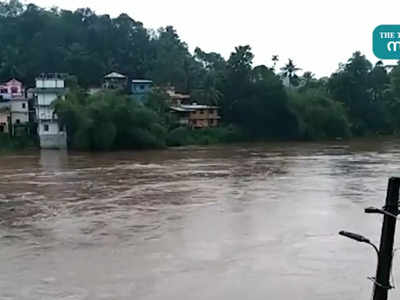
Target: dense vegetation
358,99
108,121
16,143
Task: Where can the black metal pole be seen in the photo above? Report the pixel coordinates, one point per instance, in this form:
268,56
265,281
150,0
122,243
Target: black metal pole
382,279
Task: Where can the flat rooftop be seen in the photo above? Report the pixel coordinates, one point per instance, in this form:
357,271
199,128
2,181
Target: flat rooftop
52,76
141,81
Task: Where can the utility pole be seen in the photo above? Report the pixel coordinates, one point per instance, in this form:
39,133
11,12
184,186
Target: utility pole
382,280
385,253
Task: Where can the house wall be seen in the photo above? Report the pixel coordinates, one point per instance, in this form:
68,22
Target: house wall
53,141
19,106
202,118
213,114
115,83
51,126
4,121
198,123
45,113
203,123
43,83
21,116
46,98
51,137
141,90
207,113
11,89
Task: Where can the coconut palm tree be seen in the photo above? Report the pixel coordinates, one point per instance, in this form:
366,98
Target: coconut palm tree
289,71
275,59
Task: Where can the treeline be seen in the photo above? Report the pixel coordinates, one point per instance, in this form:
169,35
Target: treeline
358,99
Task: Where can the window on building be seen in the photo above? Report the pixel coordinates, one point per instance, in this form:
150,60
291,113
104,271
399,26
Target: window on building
201,111
14,90
23,105
62,129
141,87
18,121
3,91
46,127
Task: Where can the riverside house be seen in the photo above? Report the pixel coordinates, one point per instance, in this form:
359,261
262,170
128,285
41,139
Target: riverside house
11,90
48,88
14,107
197,116
115,81
138,88
141,88
177,99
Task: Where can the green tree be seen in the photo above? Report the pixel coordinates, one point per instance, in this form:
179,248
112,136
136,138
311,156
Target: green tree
109,121
378,81
236,81
172,65
391,96
214,68
352,86
319,117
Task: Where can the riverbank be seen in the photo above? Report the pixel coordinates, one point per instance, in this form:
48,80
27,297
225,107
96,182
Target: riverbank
185,137
8,143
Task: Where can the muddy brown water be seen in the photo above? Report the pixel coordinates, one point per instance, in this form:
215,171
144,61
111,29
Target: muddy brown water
223,222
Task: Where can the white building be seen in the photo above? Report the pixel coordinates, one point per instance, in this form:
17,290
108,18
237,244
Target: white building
19,114
19,111
48,88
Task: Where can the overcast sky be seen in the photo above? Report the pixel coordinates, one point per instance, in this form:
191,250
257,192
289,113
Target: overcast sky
316,34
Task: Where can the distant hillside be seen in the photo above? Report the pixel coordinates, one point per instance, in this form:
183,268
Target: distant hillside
36,40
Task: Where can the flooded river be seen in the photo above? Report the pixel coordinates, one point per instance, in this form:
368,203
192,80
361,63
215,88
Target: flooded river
224,222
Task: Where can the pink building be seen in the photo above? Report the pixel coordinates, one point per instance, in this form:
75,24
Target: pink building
11,90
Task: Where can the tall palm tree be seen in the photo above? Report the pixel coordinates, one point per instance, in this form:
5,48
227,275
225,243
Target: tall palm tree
289,71
275,59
